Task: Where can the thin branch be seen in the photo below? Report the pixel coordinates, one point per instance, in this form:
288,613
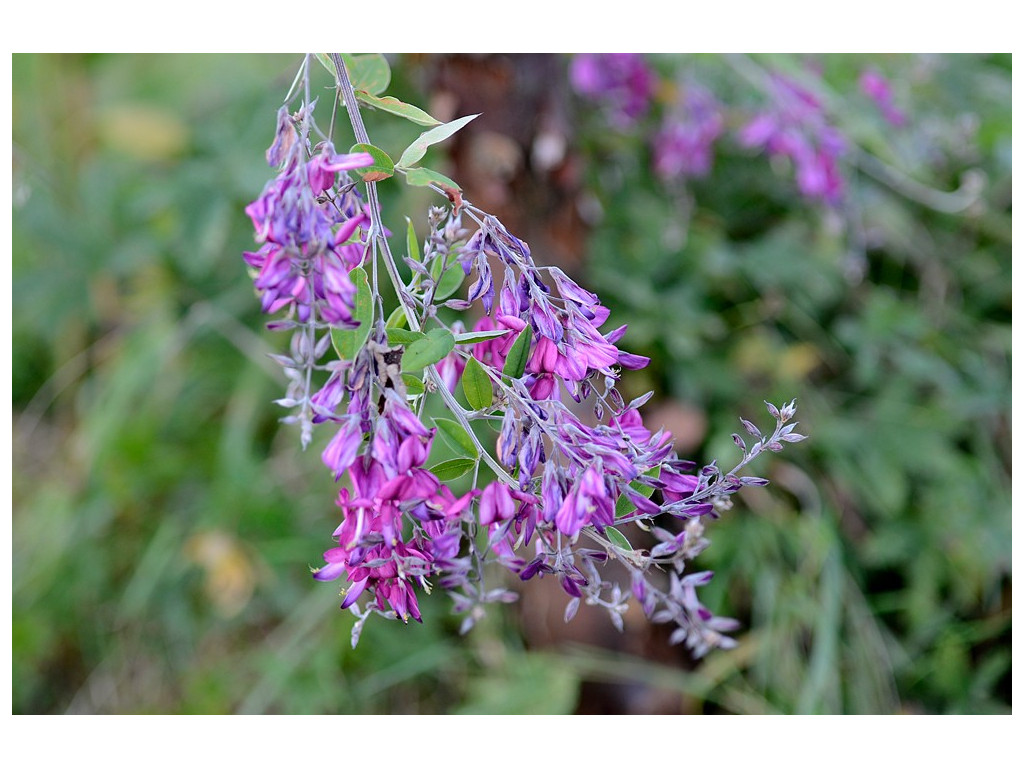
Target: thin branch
377,234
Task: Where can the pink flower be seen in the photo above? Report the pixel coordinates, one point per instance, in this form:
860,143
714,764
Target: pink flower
876,87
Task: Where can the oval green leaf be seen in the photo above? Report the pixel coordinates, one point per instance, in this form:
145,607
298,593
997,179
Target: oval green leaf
415,151
347,343
369,72
383,166
616,538
452,469
476,386
427,351
456,437
424,177
515,363
396,107
450,282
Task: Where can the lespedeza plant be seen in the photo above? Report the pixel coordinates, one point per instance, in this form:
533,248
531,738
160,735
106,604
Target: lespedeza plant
552,492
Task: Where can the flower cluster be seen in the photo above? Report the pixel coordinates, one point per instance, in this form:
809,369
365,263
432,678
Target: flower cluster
306,226
389,486
622,82
795,126
684,145
536,359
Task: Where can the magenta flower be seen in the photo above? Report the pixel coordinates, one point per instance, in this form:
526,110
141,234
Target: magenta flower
877,88
371,550
496,503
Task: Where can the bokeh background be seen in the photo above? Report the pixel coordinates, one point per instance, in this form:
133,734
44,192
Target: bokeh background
164,521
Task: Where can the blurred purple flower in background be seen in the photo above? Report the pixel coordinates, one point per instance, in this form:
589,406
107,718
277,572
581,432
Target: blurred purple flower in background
874,85
622,82
684,146
796,126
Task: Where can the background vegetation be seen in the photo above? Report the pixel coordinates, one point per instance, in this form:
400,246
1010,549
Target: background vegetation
163,520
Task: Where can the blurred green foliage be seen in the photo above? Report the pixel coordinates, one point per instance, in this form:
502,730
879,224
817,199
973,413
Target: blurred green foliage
879,577
162,518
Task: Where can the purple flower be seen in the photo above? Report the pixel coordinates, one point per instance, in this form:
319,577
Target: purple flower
587,502
388,486
341,451
795,126
371,550
401,529
684,147
301,266
622,82
324,166
876,87
496,503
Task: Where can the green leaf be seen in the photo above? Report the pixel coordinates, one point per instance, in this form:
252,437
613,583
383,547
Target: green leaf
369,72
383,166
623,506
347,343
424,177
452,469
404,336
397,318
515,363
415,151
616,538
472,337
438,343
413,384
450,282
325,59
396,107
476,386
435,268
456,437
412,244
